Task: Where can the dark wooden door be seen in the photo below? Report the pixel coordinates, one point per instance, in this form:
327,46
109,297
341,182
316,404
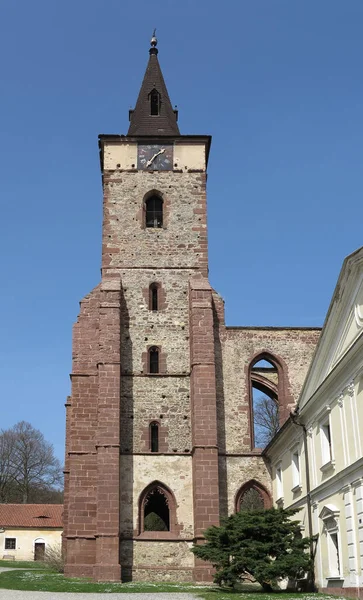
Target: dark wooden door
39,551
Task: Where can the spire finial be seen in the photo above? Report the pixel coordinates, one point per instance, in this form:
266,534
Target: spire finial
153,42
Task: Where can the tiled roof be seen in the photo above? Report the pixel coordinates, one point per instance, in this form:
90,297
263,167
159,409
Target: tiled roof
141,121
31,515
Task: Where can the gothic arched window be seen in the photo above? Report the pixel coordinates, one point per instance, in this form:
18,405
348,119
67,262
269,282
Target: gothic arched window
264,406
154,360
154,211
252,496
154,98
157,510
154,436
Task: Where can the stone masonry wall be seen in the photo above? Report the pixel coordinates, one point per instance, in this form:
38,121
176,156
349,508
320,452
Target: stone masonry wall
200,398
293,348
91,526
181,243
137,472
170,257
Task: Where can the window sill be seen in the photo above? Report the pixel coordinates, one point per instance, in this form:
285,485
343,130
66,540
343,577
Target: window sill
297,488
158,535
335,578
327,466
280,502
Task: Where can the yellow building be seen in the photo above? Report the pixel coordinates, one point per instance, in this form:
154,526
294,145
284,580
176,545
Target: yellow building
316,458
26,530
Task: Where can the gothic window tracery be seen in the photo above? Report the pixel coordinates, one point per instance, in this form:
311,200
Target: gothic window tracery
157,508
252,496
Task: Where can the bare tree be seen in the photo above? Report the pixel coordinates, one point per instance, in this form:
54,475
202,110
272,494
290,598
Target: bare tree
28,462
266,420
6,465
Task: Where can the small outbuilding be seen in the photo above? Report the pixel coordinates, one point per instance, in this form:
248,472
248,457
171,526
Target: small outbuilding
27,529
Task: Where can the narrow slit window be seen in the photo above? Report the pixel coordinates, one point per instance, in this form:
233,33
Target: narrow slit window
154,212
154,437
154,297
154,360
154,103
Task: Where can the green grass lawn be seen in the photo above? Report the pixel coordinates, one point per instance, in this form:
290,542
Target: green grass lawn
35,579
21,564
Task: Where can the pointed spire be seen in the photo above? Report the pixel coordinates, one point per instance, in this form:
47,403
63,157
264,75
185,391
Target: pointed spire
153,113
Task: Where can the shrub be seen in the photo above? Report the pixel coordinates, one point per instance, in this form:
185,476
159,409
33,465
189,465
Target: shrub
54,558
263,544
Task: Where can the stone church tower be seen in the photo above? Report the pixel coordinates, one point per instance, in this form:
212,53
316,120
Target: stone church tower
159,440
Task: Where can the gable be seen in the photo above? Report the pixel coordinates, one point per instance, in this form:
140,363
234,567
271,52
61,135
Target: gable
343,325
353,326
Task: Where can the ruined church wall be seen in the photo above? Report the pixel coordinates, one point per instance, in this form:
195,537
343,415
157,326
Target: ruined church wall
293,348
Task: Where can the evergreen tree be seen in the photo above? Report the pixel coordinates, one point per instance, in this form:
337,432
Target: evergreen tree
265,545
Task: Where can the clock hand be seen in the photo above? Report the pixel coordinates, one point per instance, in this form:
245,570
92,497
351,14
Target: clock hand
149,162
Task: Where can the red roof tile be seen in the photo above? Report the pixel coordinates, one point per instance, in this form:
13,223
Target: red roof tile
31,515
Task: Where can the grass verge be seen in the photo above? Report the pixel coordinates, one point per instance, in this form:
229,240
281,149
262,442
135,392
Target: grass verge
21,564
47,581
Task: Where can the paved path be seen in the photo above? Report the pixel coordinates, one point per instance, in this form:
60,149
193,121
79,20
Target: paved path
2,569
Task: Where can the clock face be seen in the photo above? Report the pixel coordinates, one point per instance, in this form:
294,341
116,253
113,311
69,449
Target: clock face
155,157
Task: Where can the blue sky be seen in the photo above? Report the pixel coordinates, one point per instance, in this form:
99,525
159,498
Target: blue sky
279,86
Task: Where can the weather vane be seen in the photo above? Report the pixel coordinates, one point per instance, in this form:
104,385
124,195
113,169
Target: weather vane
154,41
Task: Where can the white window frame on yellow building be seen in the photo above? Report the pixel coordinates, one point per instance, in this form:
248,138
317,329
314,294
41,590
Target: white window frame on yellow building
330,518
279,484
295,469
326,441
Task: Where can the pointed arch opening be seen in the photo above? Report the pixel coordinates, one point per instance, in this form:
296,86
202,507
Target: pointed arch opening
157,511
153,205
154,99
252,496
265,385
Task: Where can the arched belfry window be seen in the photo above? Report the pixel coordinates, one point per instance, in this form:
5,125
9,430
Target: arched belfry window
154,297
252,496
154,360
154,98
157,510
154,436
264,386
154,211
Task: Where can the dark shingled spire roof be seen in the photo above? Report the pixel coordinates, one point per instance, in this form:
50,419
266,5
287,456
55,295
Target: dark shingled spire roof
142,122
